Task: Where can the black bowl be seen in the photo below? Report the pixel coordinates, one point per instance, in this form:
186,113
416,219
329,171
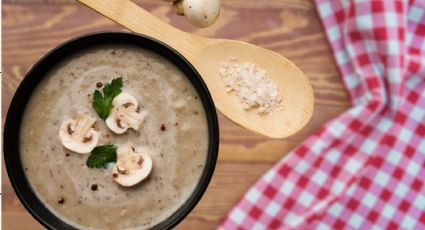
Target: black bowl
63,51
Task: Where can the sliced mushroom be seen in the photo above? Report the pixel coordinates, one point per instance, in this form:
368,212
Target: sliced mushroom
132,167
201,13
78,135
124,114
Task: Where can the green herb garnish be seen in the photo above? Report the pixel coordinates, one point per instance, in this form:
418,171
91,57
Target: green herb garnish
102,104
102,155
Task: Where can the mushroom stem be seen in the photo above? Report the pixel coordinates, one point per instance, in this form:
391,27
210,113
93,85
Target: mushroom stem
178,7
83,124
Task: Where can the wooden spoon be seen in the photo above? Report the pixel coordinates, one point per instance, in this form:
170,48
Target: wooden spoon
207,55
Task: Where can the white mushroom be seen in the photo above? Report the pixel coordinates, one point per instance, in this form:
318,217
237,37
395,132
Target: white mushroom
131,167
201,13
78,135
124,114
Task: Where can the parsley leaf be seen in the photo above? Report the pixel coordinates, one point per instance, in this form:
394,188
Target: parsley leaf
101,155
102,104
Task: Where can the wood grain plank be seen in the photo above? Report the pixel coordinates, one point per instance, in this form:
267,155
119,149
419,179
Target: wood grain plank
291,27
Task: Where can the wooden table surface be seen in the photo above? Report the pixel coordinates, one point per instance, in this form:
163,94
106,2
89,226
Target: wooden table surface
289,27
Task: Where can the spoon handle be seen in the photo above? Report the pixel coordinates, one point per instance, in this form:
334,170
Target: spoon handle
136,19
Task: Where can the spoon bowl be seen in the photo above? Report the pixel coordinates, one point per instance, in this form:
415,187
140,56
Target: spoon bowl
296,93
207,56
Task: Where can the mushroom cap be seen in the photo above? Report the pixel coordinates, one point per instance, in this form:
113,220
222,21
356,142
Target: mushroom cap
134,176
133,119
201,13
77,145
124,98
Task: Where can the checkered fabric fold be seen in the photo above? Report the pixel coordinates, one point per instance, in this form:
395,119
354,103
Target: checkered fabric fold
366,168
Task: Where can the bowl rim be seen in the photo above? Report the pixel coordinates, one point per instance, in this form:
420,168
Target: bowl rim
11,137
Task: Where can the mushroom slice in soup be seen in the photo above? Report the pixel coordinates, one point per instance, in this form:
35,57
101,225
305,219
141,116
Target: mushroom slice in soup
78,135
124,114
132,167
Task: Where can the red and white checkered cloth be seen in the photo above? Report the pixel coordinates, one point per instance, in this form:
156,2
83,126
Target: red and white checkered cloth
365,169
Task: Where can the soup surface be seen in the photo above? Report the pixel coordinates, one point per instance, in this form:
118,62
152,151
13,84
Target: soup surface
174,130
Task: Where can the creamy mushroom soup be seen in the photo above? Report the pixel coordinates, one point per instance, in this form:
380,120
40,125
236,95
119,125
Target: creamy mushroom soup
174,132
